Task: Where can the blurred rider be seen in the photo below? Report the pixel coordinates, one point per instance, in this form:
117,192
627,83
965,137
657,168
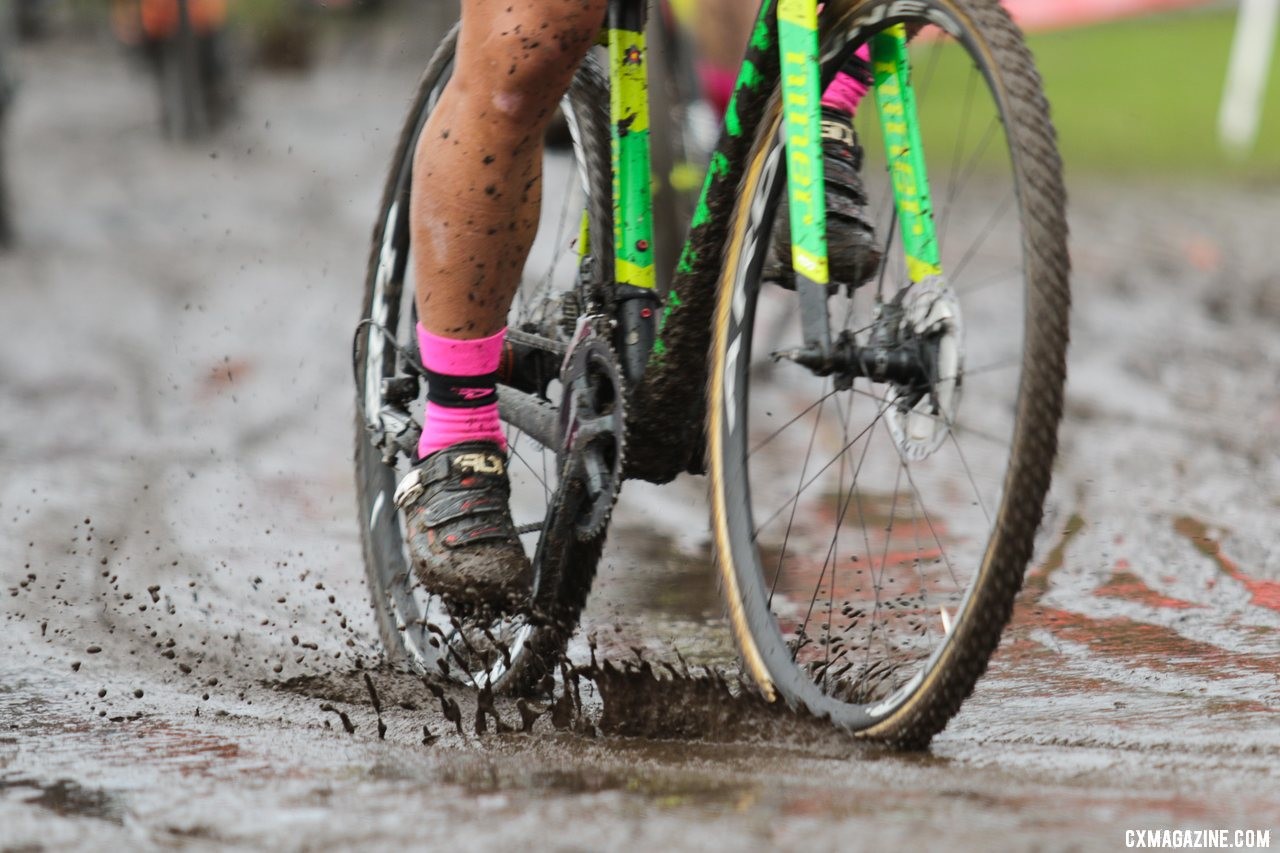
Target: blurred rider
475,205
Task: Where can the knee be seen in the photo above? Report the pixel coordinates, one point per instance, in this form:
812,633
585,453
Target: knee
522,54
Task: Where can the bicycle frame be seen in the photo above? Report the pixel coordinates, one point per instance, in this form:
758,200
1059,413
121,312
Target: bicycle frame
662,343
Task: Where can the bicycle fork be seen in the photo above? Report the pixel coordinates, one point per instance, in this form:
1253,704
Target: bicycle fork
886,359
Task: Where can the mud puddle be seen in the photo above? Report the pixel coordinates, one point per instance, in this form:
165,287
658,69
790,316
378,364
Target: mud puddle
185,620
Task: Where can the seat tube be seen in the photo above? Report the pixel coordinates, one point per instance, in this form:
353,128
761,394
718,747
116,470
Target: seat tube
635,287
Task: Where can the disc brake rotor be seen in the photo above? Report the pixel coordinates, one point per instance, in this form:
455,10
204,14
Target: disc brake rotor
919,421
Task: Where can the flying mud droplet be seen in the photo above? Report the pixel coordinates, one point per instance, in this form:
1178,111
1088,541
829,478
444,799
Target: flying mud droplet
484,709
448,706
342,716
377,706
529,714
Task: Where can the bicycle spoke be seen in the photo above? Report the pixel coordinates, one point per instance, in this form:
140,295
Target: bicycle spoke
968,430
820,472
954,274
782,553
954,172
779,430
969,473
877,575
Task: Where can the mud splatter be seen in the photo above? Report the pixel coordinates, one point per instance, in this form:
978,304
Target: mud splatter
377,706
342,715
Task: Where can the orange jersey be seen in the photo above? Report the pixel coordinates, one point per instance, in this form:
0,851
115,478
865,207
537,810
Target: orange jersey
153,20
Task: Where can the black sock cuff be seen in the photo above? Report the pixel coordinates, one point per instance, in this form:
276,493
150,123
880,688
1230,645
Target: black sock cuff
859,69
461,392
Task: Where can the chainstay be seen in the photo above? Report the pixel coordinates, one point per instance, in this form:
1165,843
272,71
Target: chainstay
539,342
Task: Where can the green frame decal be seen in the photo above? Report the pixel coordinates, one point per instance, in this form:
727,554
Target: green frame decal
802,122
632,197
900,128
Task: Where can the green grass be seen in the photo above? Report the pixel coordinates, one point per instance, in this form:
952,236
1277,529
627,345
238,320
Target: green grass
1136,97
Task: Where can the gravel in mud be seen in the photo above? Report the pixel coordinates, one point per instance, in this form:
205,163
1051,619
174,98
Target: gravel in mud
190,659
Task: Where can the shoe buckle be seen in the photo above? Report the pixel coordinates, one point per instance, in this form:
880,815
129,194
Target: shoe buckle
840,131
410,489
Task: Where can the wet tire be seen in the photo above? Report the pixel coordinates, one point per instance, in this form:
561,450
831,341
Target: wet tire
876,595
564,570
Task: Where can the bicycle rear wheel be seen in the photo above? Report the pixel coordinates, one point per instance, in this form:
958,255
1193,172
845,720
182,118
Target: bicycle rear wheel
415,626
872,536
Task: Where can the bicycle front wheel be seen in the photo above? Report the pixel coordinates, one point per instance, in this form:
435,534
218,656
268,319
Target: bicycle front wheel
872,536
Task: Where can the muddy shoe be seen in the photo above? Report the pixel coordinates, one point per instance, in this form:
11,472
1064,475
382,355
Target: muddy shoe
852,253
461,538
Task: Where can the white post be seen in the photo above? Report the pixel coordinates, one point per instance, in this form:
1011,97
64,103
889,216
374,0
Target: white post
1247,72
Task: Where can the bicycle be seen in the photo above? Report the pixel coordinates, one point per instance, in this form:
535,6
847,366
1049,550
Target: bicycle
826,413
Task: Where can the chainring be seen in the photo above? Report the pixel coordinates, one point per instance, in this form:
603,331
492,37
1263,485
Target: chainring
593,417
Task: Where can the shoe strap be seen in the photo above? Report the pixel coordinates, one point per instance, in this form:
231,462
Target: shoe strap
446,465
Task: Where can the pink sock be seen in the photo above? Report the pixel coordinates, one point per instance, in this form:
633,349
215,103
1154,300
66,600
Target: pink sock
845,92
450,363
717,84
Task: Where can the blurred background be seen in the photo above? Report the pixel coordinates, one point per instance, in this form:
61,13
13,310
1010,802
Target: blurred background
186,199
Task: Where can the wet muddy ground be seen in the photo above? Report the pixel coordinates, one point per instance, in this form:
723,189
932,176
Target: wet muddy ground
184,622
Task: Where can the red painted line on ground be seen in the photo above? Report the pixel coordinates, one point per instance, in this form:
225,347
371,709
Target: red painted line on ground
1155,647
1127,585
1262,593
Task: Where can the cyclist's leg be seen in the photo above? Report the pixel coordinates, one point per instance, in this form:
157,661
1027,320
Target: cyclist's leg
474,209
477,172
477,185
